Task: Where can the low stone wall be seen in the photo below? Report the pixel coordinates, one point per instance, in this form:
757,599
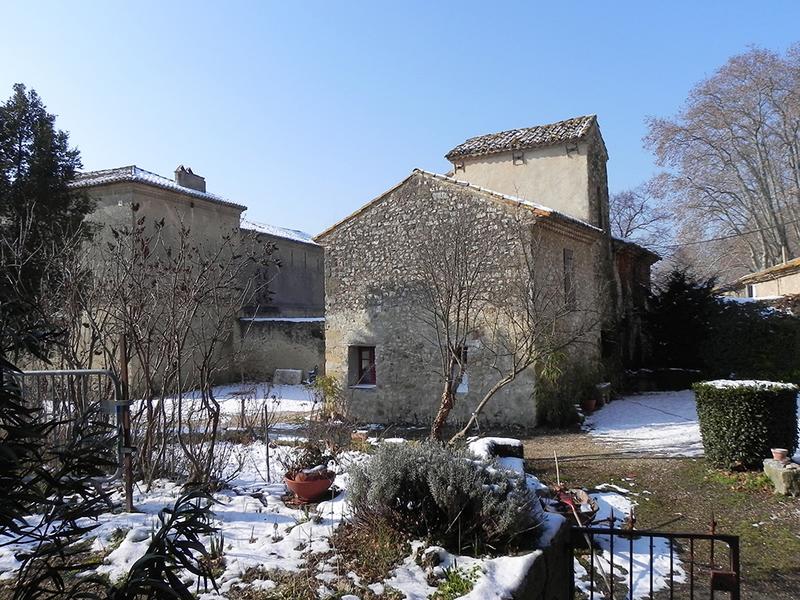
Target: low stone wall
550,575
271,344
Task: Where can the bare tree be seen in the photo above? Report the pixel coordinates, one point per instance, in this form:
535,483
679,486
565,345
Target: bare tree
639,216
452,265
176,302
503,288
733,154
535,322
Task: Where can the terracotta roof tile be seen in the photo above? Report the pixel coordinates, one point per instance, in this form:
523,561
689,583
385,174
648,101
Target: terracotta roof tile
530,137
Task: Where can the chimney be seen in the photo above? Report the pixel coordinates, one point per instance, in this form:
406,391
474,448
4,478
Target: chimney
184,177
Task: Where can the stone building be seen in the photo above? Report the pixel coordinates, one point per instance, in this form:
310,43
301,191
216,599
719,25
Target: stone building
283,328
550,178
779,280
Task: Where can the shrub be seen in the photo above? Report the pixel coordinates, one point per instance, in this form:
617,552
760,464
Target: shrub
690,327
558,395
741,421
457,582
445,495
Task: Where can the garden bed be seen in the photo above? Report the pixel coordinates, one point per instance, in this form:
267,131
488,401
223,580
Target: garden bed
266,547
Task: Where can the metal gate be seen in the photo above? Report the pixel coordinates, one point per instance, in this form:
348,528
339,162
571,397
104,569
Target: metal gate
630,564
65,396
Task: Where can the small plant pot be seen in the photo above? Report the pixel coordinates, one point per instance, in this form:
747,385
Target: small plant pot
589,404
780,454
308,491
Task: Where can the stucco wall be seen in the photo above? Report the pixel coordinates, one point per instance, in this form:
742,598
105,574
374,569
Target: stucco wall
781,286
551,176
207,220
370,302
296,285
123,204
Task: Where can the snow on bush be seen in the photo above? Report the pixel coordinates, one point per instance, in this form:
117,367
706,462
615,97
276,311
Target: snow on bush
741,420
447,496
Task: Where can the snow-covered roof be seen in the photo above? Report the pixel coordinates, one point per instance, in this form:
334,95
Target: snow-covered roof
282,319
568,130
135,174
294,235
789,267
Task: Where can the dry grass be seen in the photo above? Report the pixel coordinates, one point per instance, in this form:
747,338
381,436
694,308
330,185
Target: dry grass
684,496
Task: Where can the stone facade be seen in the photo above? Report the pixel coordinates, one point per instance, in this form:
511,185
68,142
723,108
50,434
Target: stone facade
559,181
271,343
370,298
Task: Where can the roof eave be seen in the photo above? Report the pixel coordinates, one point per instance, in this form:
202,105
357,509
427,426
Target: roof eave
132,179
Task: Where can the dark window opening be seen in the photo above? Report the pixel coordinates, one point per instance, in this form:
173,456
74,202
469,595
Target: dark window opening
364,357
569,278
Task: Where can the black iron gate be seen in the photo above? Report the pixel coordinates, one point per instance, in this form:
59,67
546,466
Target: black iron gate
65,395
631,564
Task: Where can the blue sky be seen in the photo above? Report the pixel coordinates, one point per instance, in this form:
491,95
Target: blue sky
305,111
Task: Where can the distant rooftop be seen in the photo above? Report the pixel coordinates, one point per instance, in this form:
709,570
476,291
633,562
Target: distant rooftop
290,234
135,174
522,139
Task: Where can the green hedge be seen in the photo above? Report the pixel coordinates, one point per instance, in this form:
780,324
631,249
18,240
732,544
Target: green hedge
741,421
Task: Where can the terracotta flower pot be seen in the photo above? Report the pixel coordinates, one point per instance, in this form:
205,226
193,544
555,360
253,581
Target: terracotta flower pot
589,404
779,454
310,490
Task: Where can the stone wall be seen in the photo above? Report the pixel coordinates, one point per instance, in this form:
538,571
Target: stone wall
268,344
371,300
551,574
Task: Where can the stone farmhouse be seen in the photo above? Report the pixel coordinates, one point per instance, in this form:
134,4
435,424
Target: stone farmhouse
283,329
551,176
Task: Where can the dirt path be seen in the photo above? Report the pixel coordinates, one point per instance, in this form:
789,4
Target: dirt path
683,494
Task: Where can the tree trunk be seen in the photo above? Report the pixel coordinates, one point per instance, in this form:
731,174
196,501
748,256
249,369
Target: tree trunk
445,406
484,401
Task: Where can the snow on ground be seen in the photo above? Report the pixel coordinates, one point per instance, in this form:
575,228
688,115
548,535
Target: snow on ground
283,398
259,530
252,396
635,557
659,423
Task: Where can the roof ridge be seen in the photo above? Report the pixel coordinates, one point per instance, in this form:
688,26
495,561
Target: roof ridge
143,176
545,134
300,236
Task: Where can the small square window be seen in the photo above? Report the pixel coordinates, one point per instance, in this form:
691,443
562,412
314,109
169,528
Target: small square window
362,365
518,156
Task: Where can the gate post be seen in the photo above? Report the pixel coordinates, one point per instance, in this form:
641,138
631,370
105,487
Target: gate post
127,450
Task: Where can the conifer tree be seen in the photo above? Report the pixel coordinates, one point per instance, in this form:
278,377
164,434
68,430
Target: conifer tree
40,216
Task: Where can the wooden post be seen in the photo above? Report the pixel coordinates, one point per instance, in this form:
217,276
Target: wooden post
127,450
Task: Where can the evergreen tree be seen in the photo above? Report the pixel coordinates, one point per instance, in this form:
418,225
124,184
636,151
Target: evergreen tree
680,320
40,217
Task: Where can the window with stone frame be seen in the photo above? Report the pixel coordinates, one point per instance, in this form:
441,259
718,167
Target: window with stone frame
362,365
570,298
